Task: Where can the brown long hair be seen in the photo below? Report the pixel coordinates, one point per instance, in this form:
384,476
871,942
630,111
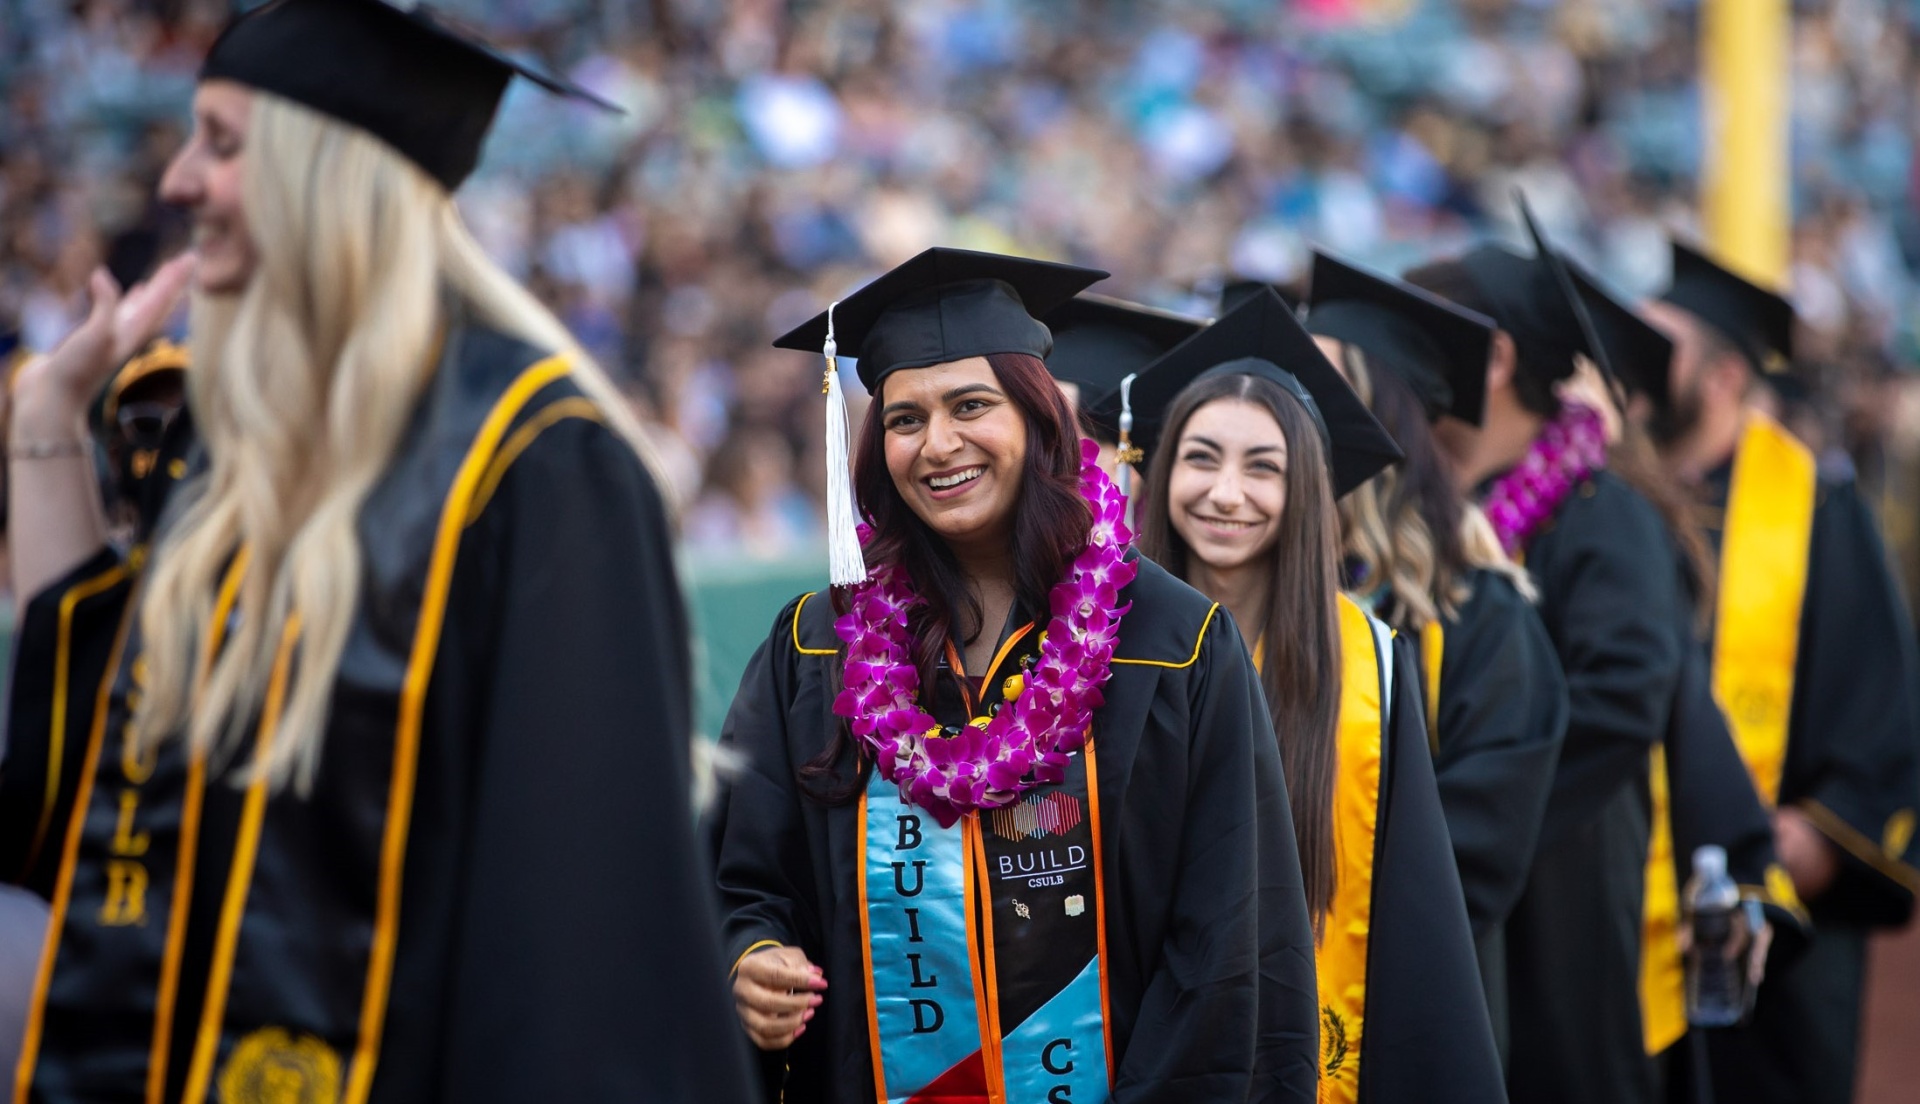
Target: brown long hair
1051,524
1300,630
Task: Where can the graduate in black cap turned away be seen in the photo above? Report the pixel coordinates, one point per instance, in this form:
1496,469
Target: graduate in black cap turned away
1251,435
1426,562
1097,343
1599,555
368,778
1702,793
933,888
1812,655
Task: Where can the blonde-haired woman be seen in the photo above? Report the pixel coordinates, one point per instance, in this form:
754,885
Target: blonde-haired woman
1430,565
369,780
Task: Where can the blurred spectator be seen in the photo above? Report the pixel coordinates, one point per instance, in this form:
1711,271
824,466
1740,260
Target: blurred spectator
774,154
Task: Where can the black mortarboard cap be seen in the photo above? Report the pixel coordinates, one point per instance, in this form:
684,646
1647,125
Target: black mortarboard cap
1098,341
409,77
1758,322
1637,350
1438,348
1236,292
945,305
1588,336
1263,338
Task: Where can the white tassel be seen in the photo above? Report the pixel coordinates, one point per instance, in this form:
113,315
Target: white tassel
846,566
1127,455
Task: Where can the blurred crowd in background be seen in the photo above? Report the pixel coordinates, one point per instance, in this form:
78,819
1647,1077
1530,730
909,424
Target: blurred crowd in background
775,154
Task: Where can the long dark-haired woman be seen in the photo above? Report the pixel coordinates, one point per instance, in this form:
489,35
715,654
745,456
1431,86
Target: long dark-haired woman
367,779
1428,563
1251,434
1011,821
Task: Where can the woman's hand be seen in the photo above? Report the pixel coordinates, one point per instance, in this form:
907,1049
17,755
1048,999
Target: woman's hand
1804,851
776,991
51,393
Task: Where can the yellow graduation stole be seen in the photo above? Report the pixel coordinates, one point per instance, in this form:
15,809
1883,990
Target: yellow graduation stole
1763,581
1433,651
1340,957
1663,979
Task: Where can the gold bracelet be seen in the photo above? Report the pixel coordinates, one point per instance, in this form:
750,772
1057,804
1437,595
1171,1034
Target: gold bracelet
48,450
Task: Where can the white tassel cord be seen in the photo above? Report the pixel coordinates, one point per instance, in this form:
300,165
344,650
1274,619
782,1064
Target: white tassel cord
846,566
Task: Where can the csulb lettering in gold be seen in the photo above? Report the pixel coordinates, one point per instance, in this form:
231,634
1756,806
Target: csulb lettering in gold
127,842
126,894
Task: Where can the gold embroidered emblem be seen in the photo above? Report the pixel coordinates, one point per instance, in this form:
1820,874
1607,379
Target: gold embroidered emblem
1898,834
1333,1041
271,1066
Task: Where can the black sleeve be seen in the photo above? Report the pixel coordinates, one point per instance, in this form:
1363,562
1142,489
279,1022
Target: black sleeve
1503,714
758,833
1608,592
585,962
1713,802
1853,763
62,648
1426,1035
1230,1011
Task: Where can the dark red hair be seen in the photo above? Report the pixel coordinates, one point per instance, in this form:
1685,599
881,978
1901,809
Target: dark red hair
1051,522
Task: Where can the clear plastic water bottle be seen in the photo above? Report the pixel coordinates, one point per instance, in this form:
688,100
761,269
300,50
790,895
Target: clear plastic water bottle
1716,970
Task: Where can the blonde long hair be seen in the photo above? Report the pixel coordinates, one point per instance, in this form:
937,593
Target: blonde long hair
1388,525
302,389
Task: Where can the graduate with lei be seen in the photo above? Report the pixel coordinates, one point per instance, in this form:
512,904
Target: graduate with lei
1601,560
1812,656
364,776
1428,563
1011,822
1250,435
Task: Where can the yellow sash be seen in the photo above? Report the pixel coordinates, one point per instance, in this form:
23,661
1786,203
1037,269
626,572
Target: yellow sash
1763,580
1340,959
1663,993
1433,650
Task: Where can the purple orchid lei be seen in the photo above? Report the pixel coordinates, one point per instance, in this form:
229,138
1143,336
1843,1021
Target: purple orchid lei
1569,448
1028,740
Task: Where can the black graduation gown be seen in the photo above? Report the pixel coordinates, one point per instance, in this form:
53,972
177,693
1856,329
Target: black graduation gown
1607,591
546,916
1502,715
1427,1035
1853,766
1210,950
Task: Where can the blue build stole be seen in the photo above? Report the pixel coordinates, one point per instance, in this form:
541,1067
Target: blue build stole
983,945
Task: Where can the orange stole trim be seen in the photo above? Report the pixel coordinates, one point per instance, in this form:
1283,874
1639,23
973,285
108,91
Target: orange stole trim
413,696
1340,958
866,949
63,886
62,672
1100,901
246,849
1763,582
986,985
158,1057
1663,979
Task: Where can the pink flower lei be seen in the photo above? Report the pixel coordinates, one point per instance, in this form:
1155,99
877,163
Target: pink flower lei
1028,740
1569,448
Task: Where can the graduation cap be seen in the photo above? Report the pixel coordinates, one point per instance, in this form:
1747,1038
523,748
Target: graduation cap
409,76
1584,330
941,306
1440,349
1236,292
1098,341
1637,350
944,305
1263,338
1758,322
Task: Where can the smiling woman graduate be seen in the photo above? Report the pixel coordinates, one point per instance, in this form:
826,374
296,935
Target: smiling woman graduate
1251,434
368,778
1011,823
